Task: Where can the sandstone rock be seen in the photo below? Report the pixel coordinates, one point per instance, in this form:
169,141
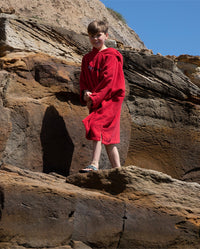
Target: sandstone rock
41,130
44,112
18,35
9,10
73,15
144,226
164,106
119,208
5,122
42,96
190,66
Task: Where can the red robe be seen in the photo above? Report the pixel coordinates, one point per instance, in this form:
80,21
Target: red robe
102,74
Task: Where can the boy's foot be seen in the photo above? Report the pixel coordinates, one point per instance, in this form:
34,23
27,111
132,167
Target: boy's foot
88,169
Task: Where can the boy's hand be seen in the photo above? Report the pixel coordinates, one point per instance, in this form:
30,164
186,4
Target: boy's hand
86,96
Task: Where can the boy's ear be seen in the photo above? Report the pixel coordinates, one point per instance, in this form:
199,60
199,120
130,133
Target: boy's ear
107,35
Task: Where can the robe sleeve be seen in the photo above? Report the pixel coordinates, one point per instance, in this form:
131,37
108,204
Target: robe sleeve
108,77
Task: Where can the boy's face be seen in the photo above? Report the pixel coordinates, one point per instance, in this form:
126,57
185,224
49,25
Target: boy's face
98,39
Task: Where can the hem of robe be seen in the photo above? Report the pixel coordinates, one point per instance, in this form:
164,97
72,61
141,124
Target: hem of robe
102,141
100,137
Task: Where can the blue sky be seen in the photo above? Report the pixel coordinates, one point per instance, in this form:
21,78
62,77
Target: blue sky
169,27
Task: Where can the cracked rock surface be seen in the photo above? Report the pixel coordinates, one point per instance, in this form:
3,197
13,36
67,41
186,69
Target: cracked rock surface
118,208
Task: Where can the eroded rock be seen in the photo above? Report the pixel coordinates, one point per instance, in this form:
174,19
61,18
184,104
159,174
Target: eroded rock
73,15
165,109
46,132
118,208
41,130
190,66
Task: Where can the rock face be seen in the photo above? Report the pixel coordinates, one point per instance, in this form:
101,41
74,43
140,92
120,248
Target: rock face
42,125
42,116
41,132
190,66
119,208
72,15
165,111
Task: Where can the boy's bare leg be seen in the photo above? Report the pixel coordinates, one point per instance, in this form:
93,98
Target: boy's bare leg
96,153
113,155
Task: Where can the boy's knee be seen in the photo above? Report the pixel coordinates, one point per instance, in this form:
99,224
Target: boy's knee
110,146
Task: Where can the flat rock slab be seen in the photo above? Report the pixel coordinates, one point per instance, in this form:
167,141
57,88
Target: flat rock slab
118,208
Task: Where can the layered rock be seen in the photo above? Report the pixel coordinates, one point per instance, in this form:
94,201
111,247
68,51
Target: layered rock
118,208
72,15
27,36
42,113
190,66
40,98
41,130
165,109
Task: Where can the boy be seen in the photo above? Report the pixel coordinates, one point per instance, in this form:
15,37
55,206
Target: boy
102,89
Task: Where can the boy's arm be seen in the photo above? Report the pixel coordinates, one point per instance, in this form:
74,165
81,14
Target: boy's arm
107,84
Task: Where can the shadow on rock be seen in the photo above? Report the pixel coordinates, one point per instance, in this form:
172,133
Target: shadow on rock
57,145
1,201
